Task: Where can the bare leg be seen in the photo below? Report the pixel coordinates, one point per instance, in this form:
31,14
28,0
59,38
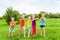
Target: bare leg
41,31
29,34
24,32
44,31
9,34
19,32
12,34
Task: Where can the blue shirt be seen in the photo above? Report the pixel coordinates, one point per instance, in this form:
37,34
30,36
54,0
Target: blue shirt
42,23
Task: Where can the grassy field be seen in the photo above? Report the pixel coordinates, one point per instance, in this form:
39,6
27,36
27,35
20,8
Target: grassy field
52,31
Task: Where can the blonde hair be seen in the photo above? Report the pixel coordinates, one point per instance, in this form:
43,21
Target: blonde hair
42,16
12,18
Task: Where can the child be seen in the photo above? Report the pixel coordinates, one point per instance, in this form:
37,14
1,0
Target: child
33,25
42,24
22,25
11,30
29,26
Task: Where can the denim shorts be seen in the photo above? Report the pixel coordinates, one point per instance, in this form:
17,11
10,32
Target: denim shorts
29,28
11,30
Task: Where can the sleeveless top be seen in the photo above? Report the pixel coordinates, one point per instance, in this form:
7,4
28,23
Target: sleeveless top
12,24
22,21
42,21
29,23
34,23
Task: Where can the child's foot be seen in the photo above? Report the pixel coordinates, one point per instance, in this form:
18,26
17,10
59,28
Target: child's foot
8,36
12,36
28,36
24,36
41,34
44,35
34,35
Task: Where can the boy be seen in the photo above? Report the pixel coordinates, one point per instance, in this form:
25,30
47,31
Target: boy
11,30
42,24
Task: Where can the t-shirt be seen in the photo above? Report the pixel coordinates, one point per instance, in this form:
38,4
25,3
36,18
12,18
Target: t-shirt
12,24
22,21
34,23
29,23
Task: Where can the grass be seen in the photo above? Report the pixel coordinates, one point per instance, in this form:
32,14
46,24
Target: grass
52,31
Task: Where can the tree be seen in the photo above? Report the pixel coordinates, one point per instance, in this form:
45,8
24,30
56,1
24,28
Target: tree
16,15
1,18
11,13
36,15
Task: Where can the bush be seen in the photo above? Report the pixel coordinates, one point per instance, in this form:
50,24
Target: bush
1,18
11,13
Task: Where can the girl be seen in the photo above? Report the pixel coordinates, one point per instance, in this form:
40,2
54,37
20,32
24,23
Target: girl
42,24
29,26
22,25
11,30
33,25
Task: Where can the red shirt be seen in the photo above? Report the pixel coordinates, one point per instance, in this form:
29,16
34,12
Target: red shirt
22,21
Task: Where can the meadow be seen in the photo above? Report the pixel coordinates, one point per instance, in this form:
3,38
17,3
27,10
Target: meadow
52,30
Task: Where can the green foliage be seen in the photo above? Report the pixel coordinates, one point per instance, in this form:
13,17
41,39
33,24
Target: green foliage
1,18
26,16
36,15
11,13
50,15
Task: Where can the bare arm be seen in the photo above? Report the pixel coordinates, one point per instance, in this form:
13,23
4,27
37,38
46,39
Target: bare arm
36,18
10,24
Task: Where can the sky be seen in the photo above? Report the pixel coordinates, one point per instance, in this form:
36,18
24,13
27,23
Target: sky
30,6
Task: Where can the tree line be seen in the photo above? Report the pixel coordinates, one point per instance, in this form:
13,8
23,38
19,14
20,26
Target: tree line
14,13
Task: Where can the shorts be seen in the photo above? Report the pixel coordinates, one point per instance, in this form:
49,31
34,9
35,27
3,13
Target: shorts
29,28
42,25
11,30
